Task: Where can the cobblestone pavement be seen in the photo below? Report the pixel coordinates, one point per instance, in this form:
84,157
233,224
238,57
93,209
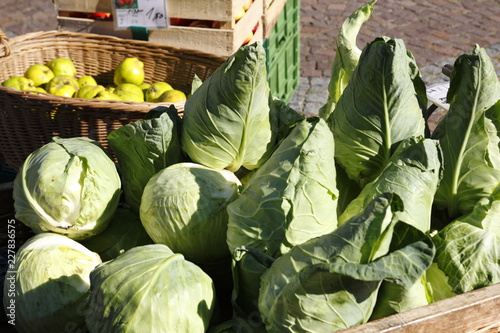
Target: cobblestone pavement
435,32
431,30
312,93
19,17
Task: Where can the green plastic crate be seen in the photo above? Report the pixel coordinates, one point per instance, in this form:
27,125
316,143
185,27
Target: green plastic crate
283,52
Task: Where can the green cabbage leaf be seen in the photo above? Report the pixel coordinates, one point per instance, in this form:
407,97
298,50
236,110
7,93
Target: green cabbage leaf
331,282
124,232
346,56
469,135
291,197
413,173
248,265
468,251
287,117
145,147
227,122
381,105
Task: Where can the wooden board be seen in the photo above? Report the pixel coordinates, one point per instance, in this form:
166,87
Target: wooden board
473,312
221,42
272,11
83,25
217,10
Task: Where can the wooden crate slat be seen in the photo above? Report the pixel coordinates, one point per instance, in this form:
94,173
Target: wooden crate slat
220,42
473,312
217,10
272,11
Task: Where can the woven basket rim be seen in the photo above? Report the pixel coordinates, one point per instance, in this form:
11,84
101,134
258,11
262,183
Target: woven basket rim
85,102
4,40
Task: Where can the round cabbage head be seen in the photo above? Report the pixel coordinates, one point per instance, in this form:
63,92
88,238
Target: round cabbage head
150,289
68,186
46,291
184,207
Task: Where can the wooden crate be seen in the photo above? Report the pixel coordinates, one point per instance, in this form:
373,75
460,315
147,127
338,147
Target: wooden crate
84,25
216,10
272,11
473,312
223,40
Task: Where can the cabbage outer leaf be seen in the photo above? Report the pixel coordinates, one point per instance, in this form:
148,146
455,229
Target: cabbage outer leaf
379,108
292,197
331,282
468,249
227,122
346,56
468,134
143,148
413,173
287,118
248,265
150,289
124,232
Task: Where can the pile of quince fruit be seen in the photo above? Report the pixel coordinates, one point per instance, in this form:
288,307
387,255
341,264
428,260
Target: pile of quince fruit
59,77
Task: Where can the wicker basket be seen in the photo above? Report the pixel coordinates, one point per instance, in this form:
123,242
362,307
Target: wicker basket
28,121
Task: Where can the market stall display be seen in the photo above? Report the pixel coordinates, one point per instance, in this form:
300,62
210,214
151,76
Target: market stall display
30,120
361,219
219,28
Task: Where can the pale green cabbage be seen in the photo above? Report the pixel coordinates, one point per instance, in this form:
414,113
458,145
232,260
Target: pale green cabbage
49,284
150,289
227,123
184,207
382,104
292,197
469,135
331,282
68,186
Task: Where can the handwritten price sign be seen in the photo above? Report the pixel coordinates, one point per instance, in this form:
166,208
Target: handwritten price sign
151,14
436,94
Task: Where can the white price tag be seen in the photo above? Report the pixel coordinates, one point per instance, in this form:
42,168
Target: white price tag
436,94
151,14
